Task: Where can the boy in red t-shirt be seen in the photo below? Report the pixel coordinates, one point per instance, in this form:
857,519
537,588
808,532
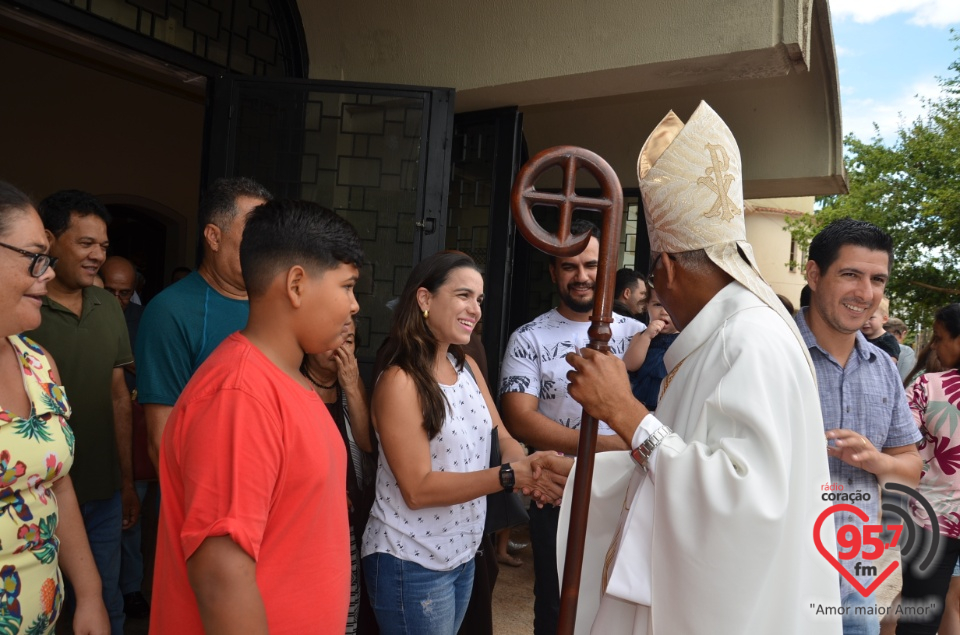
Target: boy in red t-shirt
253,533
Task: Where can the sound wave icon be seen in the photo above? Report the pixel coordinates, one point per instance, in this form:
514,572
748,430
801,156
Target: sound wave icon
909,543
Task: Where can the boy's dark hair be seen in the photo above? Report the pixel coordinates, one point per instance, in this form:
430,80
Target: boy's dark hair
12,201
825,246
577,227
284,233
55,210
627,278
218,205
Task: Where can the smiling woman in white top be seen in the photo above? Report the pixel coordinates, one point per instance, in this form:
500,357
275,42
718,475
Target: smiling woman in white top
434,422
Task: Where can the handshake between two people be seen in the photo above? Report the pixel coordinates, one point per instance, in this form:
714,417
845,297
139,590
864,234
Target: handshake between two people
542,476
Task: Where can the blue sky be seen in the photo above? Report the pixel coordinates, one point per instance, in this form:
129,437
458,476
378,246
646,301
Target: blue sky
890,52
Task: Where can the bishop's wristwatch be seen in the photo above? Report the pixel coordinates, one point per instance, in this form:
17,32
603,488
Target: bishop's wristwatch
507,478
641,453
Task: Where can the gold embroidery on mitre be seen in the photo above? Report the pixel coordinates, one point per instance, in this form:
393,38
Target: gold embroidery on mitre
719,183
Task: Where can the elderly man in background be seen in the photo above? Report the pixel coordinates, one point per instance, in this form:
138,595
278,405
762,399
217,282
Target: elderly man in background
120,278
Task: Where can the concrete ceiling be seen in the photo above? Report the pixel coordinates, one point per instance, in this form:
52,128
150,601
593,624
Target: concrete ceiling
787,124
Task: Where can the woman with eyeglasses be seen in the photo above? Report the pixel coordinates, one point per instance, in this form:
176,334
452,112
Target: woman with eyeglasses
41,531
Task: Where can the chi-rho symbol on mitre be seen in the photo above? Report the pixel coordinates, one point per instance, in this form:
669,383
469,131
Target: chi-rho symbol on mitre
719,182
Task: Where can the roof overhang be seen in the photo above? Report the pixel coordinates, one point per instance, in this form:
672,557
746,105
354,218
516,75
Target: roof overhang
602,75
784,114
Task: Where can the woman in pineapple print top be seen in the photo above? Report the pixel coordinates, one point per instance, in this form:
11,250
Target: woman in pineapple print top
434,423
40,523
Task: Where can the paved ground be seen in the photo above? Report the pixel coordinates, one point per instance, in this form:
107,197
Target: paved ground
512,598
513,595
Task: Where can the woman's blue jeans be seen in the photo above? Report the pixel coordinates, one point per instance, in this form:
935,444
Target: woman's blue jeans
409,599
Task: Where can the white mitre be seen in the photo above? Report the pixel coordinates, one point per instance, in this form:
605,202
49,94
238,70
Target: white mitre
692,188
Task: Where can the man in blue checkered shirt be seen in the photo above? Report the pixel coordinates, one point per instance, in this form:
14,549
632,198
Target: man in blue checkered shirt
870,431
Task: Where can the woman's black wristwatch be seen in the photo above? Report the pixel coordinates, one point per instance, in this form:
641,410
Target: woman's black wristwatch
507,477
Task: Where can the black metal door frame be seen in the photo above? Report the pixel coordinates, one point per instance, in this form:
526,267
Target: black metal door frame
507,140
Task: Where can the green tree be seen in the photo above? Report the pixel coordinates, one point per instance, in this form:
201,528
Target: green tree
910,188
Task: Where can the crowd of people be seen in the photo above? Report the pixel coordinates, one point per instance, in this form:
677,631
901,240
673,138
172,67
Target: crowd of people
292,499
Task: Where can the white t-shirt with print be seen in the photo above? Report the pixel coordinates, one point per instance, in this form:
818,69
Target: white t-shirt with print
534,362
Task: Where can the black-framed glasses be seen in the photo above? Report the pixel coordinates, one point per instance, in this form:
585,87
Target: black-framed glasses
653,265
39,263
120,293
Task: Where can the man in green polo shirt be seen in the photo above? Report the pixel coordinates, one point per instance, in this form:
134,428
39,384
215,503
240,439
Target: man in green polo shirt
84,330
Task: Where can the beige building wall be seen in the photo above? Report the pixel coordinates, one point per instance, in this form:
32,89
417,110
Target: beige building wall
766,232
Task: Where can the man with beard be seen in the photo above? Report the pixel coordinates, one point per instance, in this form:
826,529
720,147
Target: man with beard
535,404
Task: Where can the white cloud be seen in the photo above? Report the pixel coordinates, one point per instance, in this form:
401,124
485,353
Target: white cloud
937,13
859,115
843,51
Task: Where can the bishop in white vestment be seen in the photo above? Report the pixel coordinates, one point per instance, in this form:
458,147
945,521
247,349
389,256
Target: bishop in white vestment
709,527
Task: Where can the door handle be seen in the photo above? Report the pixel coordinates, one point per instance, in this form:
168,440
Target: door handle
427,225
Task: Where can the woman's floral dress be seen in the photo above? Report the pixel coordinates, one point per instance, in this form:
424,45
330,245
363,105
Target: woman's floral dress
935,401
34,453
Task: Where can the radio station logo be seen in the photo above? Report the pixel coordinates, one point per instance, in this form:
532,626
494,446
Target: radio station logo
867,546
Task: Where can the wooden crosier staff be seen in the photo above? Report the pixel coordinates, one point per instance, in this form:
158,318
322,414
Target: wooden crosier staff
523,198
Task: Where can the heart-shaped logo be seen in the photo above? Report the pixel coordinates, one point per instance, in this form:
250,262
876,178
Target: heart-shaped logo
862,515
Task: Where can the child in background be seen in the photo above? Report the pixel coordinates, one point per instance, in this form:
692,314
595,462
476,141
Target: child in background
646,351
873,331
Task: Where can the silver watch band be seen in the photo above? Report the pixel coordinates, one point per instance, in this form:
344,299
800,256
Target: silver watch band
642,453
